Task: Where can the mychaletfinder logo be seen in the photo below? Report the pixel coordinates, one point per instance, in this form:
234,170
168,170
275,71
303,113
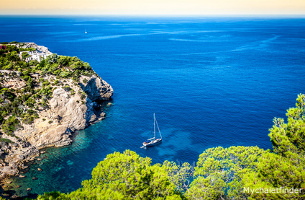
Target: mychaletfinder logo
272,190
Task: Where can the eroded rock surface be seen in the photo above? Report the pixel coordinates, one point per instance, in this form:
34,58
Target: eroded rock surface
73,106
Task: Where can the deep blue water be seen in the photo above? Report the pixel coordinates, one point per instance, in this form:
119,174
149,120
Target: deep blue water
210,81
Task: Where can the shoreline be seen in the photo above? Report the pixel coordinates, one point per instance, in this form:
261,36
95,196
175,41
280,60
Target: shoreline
8,188
43,104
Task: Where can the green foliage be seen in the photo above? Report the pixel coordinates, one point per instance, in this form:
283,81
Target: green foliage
125,176
33,63
45,83
26,49
180,175
25,55
46,92
10,125
72,92
30,102
52,196
211,187
83,96
29,116
13,56
65,74
5,140
11,48
5,93
67,88
63,60
52,58
288,139
275,171
14,42
56,82
219,170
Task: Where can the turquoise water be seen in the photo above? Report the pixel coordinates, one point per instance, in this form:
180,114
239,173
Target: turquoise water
210,81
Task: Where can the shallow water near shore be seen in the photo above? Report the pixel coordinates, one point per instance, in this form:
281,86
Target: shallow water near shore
210,81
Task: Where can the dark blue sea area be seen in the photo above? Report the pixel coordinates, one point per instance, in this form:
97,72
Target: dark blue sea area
211,82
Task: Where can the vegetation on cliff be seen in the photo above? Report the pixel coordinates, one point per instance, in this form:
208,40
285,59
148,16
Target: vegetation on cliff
44,98
35,83
221,173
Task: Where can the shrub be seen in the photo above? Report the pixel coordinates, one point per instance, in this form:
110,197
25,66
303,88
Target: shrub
5,140
10,125
46,83
67,88
83,96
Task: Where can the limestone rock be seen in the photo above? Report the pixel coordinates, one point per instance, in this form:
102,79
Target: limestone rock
97,89
67,113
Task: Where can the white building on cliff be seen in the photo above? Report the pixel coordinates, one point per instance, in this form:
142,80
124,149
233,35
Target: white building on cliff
39,54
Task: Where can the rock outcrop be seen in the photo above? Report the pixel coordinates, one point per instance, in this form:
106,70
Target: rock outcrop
67,113
74,105
97,89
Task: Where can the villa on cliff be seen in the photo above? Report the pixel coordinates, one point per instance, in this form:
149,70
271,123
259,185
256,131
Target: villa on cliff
35,55
40,53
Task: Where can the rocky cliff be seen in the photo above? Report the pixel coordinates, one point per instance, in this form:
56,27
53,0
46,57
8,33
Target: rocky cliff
67,113
44,103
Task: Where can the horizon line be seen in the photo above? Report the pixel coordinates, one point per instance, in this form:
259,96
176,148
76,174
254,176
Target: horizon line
159,15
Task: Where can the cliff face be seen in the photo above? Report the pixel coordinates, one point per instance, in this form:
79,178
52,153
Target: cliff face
67,113
45,102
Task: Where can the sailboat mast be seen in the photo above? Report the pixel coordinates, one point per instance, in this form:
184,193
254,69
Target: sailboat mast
158,128
154,125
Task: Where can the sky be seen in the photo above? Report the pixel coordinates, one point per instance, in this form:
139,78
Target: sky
153,7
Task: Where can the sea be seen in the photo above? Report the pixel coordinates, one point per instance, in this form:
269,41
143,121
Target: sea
211,81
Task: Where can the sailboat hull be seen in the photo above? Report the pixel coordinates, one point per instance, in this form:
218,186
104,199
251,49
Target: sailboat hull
152,143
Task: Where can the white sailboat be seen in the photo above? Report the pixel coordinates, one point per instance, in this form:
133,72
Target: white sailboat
153,141
85,31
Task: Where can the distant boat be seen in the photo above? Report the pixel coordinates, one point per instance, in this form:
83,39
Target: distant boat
153,141
85,32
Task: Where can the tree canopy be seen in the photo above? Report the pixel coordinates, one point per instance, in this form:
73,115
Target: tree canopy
124,176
